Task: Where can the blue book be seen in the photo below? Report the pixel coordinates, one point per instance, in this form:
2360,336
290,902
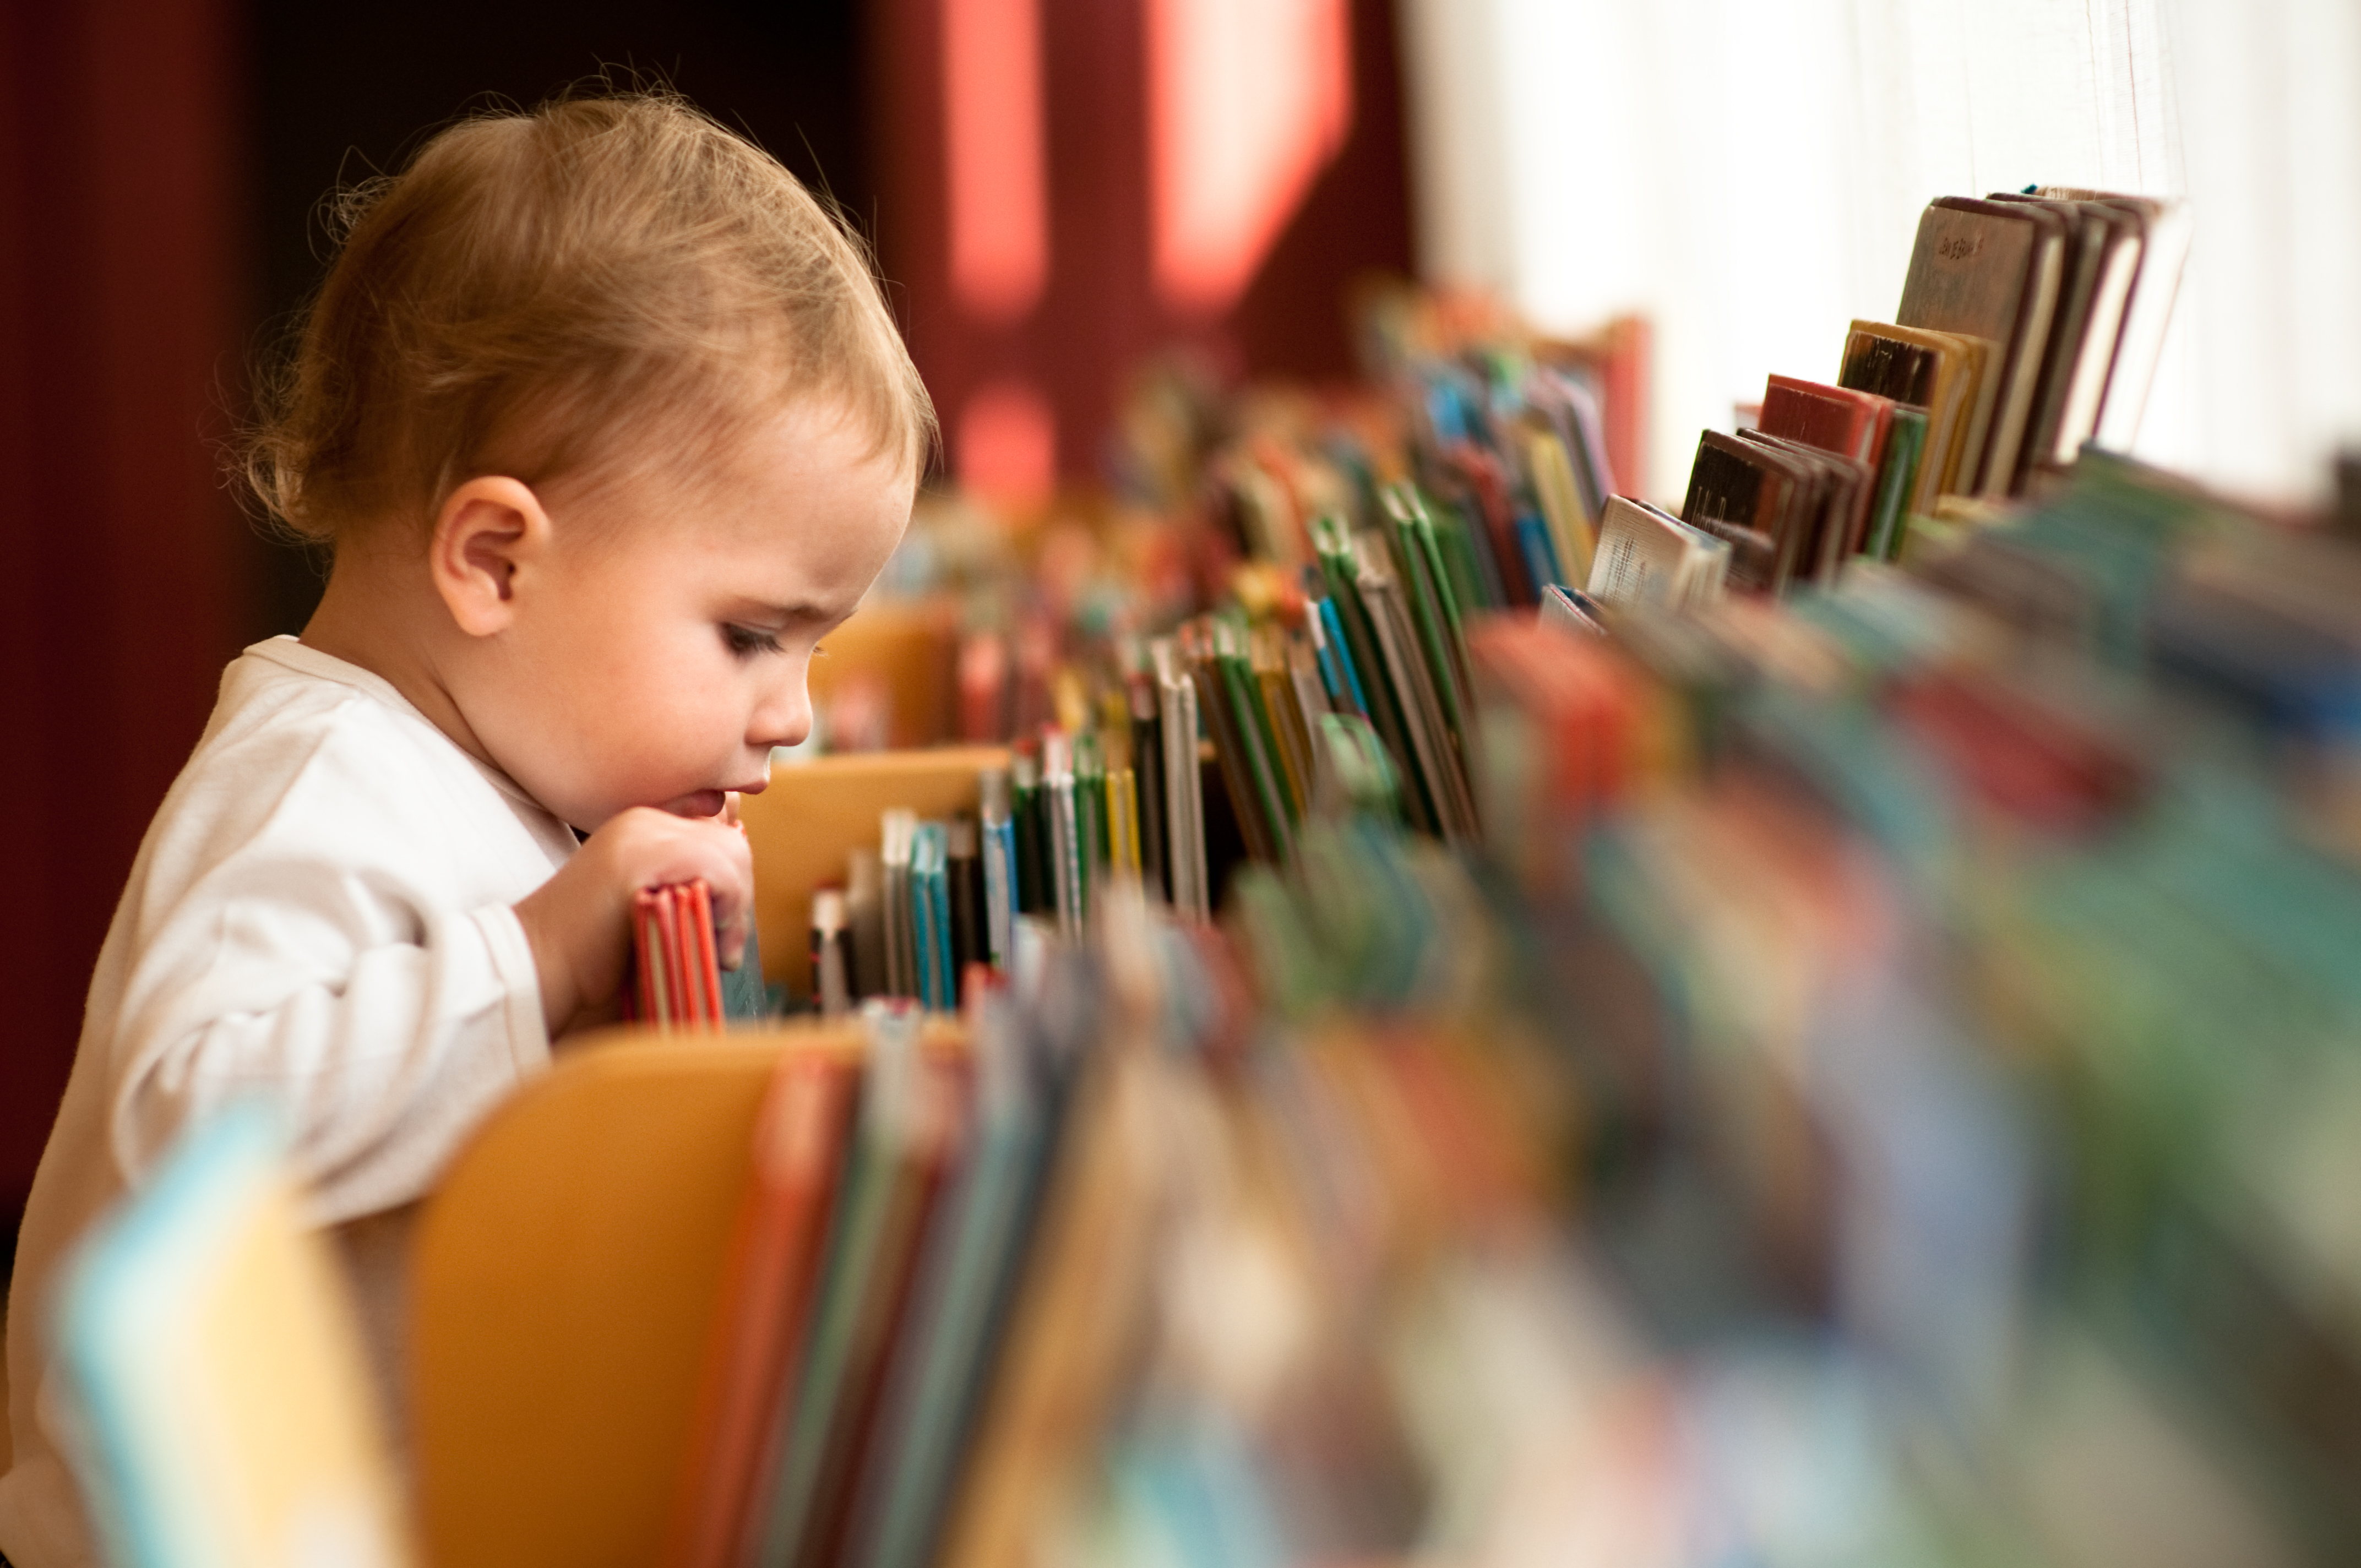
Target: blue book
1539,553
1000,874
931,922
1332,637
974,1258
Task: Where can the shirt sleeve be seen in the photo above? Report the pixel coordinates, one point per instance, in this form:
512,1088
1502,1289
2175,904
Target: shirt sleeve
343,963
379,1073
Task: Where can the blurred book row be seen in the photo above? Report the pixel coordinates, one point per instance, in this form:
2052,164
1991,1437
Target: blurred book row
1472,1049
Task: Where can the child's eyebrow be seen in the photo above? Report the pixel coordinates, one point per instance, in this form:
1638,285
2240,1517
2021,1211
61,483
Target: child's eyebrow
784,614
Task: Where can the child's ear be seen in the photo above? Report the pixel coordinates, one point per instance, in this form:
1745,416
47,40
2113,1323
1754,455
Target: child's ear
489,530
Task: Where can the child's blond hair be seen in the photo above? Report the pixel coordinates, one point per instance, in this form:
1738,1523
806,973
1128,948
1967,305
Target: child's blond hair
602,281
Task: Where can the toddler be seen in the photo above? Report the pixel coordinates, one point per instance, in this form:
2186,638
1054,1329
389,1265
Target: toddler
608,424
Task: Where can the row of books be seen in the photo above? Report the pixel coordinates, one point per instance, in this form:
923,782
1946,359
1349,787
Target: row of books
2028,325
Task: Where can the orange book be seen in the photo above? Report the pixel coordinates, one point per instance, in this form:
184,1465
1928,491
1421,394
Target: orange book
775,1267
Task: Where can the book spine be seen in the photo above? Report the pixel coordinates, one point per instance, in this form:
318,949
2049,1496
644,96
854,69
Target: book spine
1386,712
1090,828
1149,774
999,832
1063,844
1033,886
901,965
938,975
832,968
1344,683
1540,558
963,880
1257,750
866,919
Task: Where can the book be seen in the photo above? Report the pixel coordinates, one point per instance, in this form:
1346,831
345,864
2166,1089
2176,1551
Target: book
1648,556
1989,271
1150,781
864,915
1000,866
2103,247
965,893
975,1255
2164,227
1741,493
898,830
1905,447
1914,365
931,932
1848,422
1434,753
1334,541
1185,812
775,1255
1036,885
211,1393
1839,505
831,954
1062,840
902,1136
676,976
1571,609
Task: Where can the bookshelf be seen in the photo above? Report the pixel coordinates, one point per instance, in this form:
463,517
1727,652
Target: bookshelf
565,1278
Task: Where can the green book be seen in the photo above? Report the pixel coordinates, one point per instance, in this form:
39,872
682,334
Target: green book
860,1233
1259,747
1033,883
1090,814
1334,541
1458,554
1437,633
1906,441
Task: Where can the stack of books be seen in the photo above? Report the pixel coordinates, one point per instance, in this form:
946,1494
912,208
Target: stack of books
2029,324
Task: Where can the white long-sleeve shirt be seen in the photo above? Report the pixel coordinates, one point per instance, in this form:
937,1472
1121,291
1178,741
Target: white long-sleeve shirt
319,914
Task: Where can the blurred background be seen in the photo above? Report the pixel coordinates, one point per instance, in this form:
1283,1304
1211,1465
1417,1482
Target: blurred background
1058,189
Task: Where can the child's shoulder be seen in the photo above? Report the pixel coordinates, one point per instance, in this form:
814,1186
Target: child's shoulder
299,733
285,701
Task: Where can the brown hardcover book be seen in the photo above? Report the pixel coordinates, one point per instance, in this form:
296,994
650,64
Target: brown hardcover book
1991,271
1846,489
2164,230
775,1263
2102,258
1748,497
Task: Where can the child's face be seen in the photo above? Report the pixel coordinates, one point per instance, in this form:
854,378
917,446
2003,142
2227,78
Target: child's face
657,654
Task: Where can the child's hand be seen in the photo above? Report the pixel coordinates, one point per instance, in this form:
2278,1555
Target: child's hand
578,922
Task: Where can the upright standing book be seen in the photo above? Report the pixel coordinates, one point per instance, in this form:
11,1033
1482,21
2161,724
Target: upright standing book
1993,270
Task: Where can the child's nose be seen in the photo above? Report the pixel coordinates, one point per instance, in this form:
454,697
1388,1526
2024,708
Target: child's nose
783,717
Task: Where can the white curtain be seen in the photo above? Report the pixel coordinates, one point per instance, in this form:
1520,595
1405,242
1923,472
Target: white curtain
1750,173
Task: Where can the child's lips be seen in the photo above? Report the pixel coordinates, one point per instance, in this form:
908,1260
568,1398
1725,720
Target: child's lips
699,803
711,802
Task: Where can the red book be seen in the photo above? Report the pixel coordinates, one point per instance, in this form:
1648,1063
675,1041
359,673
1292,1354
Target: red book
766,1302
1834,419
676,962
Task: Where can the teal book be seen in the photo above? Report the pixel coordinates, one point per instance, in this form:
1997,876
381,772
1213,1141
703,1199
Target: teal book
975,1253
931,917
214,1401
822,1398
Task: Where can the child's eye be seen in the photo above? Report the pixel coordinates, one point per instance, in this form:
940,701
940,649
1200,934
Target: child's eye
745,640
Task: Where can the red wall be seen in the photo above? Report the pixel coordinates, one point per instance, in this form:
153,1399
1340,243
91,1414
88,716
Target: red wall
1098,314
120,306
